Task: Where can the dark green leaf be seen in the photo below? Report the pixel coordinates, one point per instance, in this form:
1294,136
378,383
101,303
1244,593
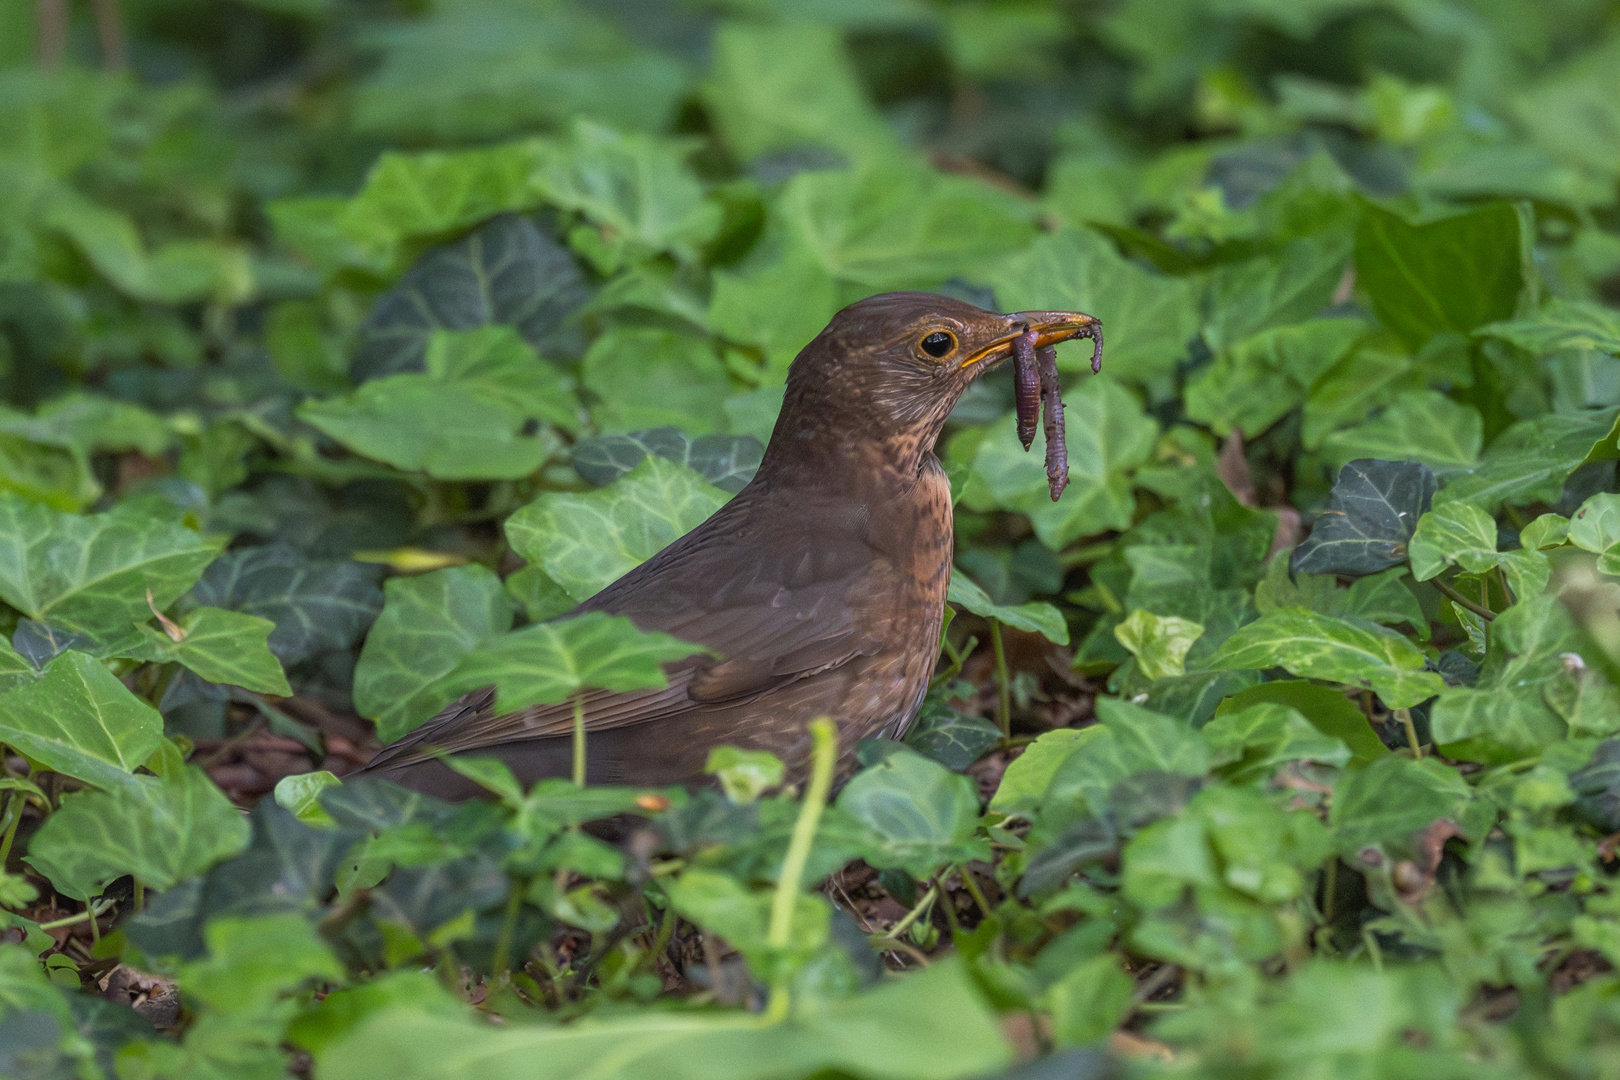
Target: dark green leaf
1530,461
951,737
1371,515
507,273
1035,617
317,605
923,814
726,461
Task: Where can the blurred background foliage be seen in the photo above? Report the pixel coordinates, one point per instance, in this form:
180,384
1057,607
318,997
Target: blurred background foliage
353,332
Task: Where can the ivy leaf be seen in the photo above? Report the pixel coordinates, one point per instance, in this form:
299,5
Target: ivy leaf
15,670
1323,647
550,662
1372,512
1448,276
1422,426
1149,318
79,720
1530,460
893,223
1457,533
223,647
585,542
1160,644
1288,286
505,273
317,605
1325,708
489,380
638,190
1035,617
1128,740
1595,527
950,736
91,574
1249,744
428,624
1109,436
1508,714
160,829
644,377
1388,802
726,461
924,814
1253,382
1561,325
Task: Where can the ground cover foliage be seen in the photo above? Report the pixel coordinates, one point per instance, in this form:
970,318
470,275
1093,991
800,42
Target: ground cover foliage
344,344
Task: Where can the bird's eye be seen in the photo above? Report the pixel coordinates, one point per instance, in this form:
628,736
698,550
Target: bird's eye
938,344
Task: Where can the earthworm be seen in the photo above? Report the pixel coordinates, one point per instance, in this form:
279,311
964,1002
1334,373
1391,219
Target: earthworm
1057,449
1027,386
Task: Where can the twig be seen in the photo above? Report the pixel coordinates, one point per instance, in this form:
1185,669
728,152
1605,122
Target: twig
1483,612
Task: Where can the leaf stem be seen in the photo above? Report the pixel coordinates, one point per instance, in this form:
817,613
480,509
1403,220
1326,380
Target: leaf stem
972,887
14,816
1003,682
918,910
97,910
1405,717
824,755
1483,612
579,741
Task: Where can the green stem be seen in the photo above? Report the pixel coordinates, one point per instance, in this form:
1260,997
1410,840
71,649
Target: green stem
1330,888
579,741
917,911
1405,717
98,910
1003,682
824,755
1483,612
972,887
14,812
503,944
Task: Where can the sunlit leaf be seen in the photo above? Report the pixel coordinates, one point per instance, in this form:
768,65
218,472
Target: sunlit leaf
79,720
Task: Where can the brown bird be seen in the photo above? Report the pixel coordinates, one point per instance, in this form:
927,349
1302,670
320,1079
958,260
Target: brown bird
820,586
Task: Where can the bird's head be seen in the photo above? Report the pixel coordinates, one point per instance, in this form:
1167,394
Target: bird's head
887,371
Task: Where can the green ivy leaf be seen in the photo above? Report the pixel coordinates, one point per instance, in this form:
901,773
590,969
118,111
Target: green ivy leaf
922,814
91,574
1253,382
79,720
1035,617
1249,744
585,542
1109,436
1160,644
637,190
317,605
505,273
644,377
1421,426
1530,461
1388,802
1447,276
1561,325
949,736
222,647
1338,650
492,385
160,829
551,662
1148,317
428,624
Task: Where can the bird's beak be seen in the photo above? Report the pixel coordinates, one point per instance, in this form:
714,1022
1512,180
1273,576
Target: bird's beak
1050,328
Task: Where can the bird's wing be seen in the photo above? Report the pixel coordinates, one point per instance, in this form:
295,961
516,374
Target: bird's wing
772,614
